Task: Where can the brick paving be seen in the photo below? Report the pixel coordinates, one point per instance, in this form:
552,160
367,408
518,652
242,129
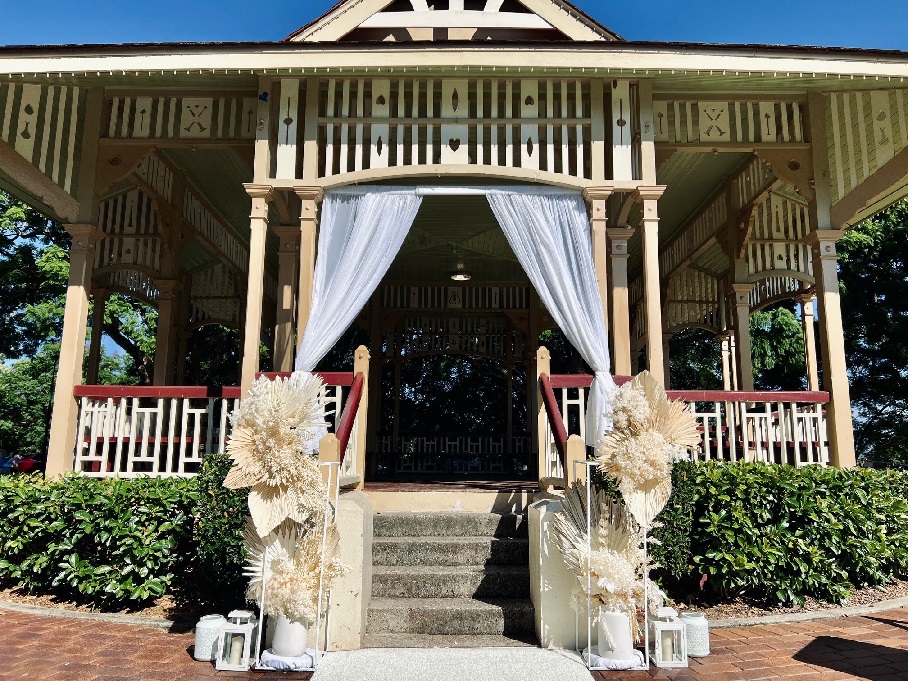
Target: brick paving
873,648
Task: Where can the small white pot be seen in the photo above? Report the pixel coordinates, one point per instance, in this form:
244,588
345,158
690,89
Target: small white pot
290,638
615,640
206,637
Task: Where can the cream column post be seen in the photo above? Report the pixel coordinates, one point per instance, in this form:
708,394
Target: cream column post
652,286
832,344
598,197
287,256
164,354
72,349
99,299
743,357
621,311
252,330
310,197
725,342
810,342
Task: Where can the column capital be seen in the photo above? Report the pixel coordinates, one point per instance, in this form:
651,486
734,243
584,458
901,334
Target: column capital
85,236
100,293
310,193
259,191
619,234
598,193
807,300
167,288
742,293
289,237
822,241
649,193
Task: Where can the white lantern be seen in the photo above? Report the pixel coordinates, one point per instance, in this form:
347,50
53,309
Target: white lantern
235,646
241,617
669,639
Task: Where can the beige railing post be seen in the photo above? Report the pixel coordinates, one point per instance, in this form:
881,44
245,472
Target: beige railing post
543,366
252,331
652,292
329,452
361,366
576,451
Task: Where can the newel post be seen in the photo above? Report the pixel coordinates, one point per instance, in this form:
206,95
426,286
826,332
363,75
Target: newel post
361,366
329,452
543,366
576,451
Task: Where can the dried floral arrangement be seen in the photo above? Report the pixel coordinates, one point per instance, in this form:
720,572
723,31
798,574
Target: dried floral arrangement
650,433
270,447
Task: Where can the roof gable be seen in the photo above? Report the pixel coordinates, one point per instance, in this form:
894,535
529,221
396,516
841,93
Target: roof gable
403,20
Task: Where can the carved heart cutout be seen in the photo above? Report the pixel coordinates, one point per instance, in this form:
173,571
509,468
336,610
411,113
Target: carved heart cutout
454,144
529,101
381,100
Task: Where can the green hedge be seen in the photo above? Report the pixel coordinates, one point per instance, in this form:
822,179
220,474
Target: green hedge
773,533
779,534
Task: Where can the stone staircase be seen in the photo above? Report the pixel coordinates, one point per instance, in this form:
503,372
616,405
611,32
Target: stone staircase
453,579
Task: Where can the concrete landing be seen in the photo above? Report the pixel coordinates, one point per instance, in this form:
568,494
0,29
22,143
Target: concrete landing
453,664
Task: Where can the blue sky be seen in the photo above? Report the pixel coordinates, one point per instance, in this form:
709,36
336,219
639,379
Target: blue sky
869,23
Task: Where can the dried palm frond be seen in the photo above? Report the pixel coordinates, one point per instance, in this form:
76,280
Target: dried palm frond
295,568
272,430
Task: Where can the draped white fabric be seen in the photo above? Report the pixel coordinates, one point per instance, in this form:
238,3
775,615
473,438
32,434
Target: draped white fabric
359,237
550,235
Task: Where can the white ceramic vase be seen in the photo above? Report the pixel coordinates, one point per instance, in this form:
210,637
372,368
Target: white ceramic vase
615,640
290,637
206,637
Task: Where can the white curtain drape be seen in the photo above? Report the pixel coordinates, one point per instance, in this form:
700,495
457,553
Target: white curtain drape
550,235
359,237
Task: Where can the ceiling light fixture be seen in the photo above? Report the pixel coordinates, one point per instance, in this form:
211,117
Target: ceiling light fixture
460,274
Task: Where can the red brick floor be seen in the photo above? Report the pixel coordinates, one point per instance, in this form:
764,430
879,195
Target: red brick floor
872,648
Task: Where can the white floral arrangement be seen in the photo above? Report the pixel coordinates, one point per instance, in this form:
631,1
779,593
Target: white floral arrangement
291,544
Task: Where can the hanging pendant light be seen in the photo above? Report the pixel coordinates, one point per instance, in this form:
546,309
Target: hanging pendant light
461,274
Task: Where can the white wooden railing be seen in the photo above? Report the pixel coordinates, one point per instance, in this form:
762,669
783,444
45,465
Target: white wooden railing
769,426
165,431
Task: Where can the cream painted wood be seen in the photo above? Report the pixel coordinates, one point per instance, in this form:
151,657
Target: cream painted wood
287,128
725,345
309,200
652,290
743,358
622,137
379,138
288,283
832,343
261,166
99,306
621,321
258,229
647,114
455,19
72,349
598,199
548,464
358,455
810,342
164,353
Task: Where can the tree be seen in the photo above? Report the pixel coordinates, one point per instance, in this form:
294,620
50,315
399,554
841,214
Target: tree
777,348
874,287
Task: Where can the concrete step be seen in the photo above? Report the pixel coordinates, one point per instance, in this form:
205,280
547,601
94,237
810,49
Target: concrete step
450,616
441,641
434,581
448,524
449,551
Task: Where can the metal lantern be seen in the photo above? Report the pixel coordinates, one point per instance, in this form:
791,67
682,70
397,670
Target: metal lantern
235,646
669,639
241,617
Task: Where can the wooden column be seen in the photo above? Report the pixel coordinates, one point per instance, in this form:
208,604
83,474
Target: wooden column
252,329
725,343
543,366
99,297
598,197
810,342
72,349
743,357
666,340
652,284
164,350
621,311
310,197
284,333
832,344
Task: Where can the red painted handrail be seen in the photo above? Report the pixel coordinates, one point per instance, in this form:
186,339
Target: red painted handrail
553,412
348,416
816,397
334,378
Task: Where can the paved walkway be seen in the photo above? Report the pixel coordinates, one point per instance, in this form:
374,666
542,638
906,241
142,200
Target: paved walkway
873,648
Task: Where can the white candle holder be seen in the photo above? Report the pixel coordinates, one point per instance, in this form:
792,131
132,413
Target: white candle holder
669,640
233,652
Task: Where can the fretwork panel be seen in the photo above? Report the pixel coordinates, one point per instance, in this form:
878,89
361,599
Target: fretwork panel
386,123
43,124
865,131
693,300
132,283
157,175
131,226
773,289
456,297
181,118
197,214
711,122
215,297
780,225
488,336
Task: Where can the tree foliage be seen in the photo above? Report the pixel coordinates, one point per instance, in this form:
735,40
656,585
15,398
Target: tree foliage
874,287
